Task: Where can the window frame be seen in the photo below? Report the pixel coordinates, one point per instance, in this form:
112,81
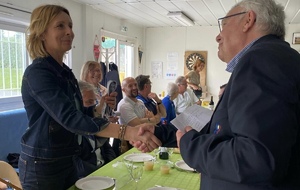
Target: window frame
13,102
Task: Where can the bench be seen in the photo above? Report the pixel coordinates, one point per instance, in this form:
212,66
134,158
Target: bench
13,124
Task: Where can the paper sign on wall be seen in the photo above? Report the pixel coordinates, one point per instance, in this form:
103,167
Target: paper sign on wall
156,68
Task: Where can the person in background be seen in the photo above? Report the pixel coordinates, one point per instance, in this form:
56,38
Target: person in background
132,111
91,72
172,93
54,107
186,97
193,78
150,99
221,91
252,141
95,151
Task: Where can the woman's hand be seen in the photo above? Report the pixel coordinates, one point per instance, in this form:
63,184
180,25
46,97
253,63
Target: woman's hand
110,100
113,119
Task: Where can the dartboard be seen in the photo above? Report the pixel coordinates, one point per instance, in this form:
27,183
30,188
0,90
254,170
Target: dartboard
191,60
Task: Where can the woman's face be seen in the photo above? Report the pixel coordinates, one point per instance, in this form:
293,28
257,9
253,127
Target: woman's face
94,75
59,35
200,67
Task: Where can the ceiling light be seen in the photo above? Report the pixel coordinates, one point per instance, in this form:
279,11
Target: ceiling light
181,18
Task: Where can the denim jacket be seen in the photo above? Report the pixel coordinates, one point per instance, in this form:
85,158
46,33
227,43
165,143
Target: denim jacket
55,112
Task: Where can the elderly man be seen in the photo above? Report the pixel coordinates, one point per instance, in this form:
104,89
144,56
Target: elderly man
253,139
186,96
95,151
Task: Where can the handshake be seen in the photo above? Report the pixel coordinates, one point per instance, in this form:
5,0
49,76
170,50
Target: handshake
142,137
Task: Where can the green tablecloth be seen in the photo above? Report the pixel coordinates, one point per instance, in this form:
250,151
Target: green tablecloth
177,178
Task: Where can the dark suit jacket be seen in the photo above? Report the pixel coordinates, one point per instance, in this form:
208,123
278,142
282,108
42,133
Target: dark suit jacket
252,141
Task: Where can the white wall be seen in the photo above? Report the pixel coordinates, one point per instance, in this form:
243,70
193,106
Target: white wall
160,41
87,23
155,42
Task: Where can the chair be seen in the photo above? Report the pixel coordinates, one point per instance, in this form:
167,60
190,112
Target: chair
7,172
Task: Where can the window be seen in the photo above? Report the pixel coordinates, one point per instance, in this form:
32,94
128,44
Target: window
118,49
12,62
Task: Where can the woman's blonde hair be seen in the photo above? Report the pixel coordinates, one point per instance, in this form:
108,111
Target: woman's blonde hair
40,19
88,66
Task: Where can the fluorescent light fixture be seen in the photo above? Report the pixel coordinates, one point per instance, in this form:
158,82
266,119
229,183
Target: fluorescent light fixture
180,18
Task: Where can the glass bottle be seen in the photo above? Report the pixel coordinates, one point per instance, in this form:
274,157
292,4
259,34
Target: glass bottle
211,104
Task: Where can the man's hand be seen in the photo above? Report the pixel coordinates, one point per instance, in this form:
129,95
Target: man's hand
154,96
149,114
179,134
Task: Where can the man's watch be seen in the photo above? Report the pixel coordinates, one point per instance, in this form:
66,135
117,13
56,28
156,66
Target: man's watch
158,103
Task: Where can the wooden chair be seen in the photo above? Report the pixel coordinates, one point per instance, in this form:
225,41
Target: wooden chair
7,172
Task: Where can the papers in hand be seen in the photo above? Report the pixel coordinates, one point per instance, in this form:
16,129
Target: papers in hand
195,116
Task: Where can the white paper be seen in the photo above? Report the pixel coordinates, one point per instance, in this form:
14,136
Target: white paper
156,67
195,116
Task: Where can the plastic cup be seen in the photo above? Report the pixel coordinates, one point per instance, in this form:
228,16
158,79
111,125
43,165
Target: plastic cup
148,164
165,168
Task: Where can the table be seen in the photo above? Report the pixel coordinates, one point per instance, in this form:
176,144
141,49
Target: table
177,178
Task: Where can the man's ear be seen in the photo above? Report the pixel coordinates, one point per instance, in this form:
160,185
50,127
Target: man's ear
250,21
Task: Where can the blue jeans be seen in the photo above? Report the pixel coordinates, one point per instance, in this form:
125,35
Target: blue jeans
47,174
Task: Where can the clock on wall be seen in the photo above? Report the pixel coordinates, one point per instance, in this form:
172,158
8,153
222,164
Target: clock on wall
191,60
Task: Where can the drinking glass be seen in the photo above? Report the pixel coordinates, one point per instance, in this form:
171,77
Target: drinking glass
136,171
170,151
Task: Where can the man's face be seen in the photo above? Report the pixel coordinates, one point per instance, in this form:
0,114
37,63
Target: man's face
130,88
182,87
231,39
148,86
89,98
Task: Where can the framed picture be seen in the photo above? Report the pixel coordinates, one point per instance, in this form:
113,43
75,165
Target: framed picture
296,38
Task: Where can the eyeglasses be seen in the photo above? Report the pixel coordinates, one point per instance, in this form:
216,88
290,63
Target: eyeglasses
220,19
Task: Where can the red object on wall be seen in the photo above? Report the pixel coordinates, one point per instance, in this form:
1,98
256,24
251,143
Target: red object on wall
96,49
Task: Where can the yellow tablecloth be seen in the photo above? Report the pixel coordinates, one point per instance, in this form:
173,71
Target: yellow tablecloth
177,178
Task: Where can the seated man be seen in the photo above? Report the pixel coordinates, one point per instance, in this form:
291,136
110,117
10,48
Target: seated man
95,151
150,99
186,96
132,111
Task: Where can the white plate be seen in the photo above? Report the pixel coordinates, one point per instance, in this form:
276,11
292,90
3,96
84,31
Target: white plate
94,183
182,165
162,188
138,157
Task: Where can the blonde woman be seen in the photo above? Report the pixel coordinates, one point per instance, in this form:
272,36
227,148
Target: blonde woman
91,72
54,107
193,78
